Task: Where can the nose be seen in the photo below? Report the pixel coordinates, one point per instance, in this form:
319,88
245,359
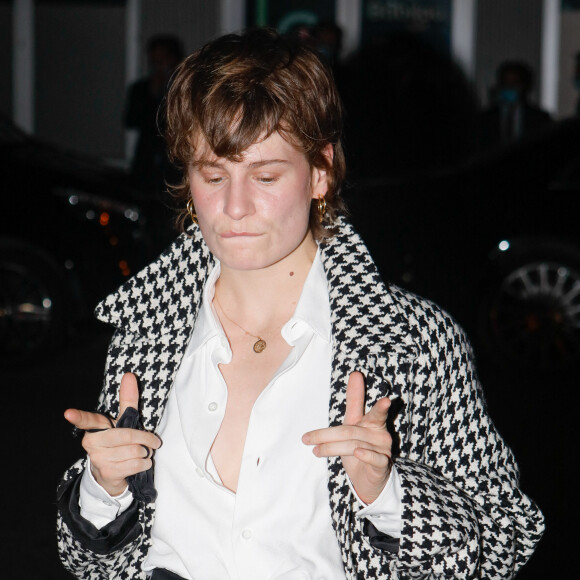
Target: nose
238,200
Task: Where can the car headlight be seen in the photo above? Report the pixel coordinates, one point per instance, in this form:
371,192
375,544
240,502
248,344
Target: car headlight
99,207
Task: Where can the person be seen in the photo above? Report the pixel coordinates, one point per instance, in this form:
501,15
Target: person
316,422
512,115
411,110
150,167
327,37
576,80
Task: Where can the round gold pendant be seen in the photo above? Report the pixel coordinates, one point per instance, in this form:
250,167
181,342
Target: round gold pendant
259,346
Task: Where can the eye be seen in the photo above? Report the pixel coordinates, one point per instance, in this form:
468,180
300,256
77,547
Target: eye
267,179
214,179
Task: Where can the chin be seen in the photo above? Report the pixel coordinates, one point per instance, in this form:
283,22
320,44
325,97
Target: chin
246,265
251,261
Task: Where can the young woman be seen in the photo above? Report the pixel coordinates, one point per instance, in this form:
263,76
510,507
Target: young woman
316,423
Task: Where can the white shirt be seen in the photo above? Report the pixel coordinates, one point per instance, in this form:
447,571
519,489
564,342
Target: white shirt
278,524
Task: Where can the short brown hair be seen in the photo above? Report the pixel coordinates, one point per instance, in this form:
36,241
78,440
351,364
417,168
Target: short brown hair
239,89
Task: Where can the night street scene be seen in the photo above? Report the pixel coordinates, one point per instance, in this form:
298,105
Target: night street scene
461,140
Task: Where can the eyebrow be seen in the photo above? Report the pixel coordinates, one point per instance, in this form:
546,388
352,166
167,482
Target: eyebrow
208,163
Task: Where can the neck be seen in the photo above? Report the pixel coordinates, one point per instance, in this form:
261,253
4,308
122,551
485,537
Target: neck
269,295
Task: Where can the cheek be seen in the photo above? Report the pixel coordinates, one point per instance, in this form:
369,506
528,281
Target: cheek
202,203
292,210
299,197
294,220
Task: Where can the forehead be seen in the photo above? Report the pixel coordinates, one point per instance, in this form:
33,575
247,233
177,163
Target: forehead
275,146
512,77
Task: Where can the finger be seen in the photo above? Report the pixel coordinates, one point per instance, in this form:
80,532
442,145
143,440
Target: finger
103,455
86,420
120,470
128,393
121,437
377,416
341,433
341,448
374,458
355,399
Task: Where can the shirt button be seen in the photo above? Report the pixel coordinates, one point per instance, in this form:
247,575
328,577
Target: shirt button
200,472
246,534
212,406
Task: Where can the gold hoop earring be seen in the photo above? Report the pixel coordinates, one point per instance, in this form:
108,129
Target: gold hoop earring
321,208
190,210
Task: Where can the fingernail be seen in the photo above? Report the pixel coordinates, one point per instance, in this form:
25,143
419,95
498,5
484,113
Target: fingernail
306,438
316,451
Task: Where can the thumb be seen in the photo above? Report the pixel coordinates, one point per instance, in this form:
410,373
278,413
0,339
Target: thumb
355,399
128,393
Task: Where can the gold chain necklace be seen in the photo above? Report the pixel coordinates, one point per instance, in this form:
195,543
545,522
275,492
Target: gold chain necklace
259,345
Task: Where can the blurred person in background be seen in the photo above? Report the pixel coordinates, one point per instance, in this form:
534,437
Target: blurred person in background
327,38
576,81
512,115
149,166
410,109
316,422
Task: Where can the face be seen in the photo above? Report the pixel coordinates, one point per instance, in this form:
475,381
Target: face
512,80
255,213
161,61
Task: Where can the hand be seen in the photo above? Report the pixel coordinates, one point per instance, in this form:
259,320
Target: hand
362,441
115,453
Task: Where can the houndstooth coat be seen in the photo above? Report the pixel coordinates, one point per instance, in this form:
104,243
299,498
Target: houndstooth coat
463,513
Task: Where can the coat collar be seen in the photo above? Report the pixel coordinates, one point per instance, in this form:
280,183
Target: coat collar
364,313
167,294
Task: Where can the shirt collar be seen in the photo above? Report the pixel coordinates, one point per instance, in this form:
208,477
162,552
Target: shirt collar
313,308
312,311
207,325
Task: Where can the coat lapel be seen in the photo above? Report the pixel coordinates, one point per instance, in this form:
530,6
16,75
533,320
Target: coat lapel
155,312
370,335
369,332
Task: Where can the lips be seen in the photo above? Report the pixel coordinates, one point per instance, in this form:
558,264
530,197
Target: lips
239,235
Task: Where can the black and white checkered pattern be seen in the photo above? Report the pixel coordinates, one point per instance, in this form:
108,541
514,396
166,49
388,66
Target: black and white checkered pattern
463,513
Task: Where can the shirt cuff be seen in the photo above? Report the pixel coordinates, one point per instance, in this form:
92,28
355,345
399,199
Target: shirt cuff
96,505
385,513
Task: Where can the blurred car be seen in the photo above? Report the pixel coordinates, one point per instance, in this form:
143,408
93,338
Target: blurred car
71,230
495,241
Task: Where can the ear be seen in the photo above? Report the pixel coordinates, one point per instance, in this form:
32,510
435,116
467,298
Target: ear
320,176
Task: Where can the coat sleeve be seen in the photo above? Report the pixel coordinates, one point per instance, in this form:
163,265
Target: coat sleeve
115,551
464,515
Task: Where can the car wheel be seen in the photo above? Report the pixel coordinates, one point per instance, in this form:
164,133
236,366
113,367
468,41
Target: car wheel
32,313
530,313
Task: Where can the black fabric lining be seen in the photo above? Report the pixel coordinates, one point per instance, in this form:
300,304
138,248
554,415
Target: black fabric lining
379,540
163,574
114,536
